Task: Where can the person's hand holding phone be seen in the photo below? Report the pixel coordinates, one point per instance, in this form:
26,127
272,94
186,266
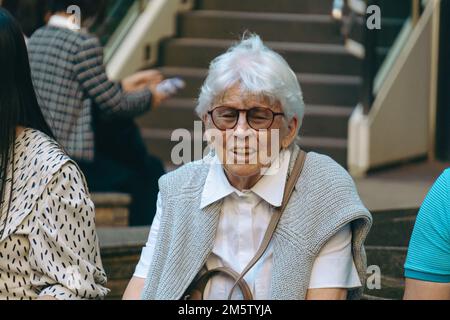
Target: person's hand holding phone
166,89
153,80
141,80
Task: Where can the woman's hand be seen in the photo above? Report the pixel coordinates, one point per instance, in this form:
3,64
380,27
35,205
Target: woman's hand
134,289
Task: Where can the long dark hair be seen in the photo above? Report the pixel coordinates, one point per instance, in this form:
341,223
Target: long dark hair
18,102
29,13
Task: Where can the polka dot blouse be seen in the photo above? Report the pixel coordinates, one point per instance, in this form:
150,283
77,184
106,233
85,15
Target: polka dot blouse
48,240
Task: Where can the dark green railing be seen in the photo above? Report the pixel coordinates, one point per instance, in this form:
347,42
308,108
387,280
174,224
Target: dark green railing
375,43
116,11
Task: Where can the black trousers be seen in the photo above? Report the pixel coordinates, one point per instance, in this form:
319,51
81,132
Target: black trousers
123,164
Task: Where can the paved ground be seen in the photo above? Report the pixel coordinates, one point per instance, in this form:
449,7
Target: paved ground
401,187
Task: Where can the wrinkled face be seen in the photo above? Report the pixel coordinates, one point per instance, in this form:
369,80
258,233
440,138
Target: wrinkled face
248,132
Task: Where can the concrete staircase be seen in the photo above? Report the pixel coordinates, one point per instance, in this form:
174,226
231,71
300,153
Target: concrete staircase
302,31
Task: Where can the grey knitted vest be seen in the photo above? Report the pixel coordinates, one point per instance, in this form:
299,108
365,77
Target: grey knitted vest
323,201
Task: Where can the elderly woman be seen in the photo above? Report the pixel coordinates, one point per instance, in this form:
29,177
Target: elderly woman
219,217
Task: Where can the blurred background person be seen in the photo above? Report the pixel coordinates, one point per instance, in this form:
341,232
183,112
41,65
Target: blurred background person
48,239
91,116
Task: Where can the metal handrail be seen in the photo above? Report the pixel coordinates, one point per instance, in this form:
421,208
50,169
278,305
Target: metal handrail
125,25
415,14
369,66
119,12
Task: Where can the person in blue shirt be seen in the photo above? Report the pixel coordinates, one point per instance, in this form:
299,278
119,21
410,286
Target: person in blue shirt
427,267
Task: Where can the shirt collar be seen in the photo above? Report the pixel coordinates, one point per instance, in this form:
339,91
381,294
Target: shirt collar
63,22
270,187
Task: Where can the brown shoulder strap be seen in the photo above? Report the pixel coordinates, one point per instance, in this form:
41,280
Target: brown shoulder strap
195,292
290,184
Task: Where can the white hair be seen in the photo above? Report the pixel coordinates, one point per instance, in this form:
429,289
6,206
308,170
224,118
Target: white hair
259,71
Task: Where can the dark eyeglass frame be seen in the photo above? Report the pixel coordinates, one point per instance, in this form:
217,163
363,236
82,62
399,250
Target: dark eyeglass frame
247,111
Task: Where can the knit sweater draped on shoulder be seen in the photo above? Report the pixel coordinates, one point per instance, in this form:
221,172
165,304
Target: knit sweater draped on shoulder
323,201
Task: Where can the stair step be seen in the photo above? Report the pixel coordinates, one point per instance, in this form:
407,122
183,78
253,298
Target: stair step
285,27
334,147
269,26
110,199
392,228
387,247
302,57
127,240
389,8
323,89
319,121
325,121
390,259
391,289
111,209
120,250
288,6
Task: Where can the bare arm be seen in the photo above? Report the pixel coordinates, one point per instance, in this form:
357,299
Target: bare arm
134,289
326,294
424,290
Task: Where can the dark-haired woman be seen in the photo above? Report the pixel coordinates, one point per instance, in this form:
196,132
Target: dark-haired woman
49,247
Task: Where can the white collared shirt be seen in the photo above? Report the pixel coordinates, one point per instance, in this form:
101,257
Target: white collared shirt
62,22
242,224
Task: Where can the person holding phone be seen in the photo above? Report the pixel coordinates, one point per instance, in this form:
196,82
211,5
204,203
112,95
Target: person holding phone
92,116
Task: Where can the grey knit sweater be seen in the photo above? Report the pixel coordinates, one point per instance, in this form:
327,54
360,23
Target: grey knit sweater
324,200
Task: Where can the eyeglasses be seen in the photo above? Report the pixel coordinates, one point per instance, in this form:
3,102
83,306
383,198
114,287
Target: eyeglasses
258,118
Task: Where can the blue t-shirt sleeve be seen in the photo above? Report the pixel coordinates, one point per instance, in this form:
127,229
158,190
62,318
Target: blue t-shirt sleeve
428,256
